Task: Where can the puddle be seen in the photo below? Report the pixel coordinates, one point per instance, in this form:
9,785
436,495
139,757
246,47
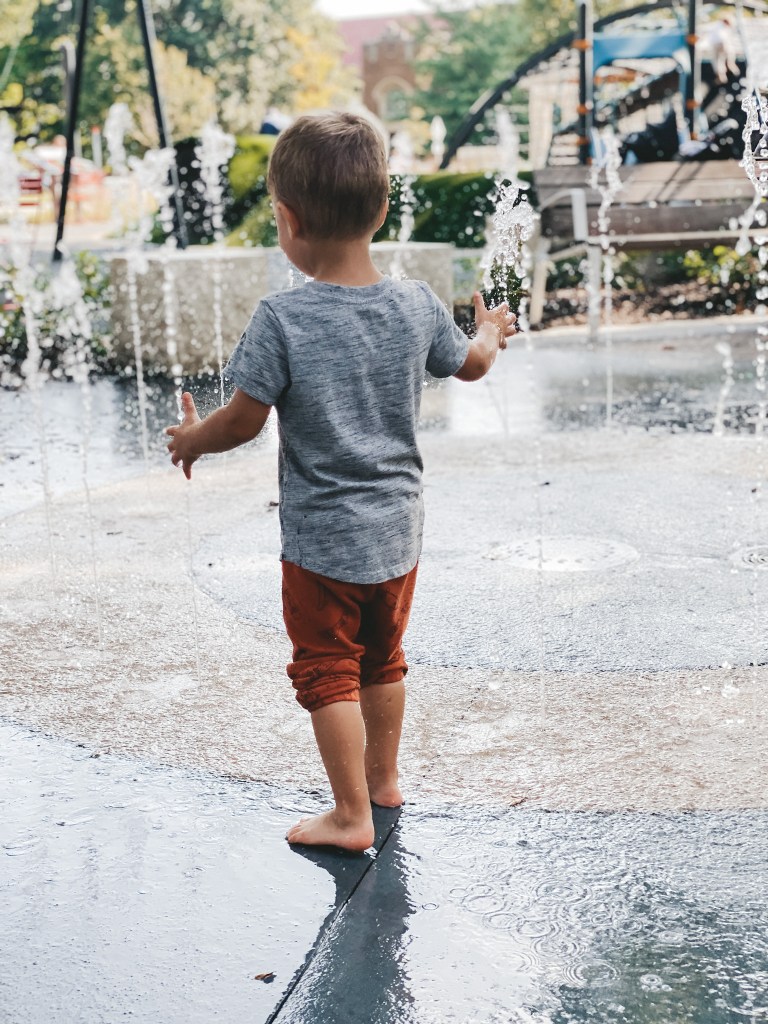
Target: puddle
666,391
154,894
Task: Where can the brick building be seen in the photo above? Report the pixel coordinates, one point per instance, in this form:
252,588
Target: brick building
382,51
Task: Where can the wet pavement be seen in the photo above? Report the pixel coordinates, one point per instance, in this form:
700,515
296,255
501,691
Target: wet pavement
133,892
587,638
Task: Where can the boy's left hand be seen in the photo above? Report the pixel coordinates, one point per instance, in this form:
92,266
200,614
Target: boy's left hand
181,444
500,316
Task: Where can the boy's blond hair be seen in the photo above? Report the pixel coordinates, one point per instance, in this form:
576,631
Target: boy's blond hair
331,169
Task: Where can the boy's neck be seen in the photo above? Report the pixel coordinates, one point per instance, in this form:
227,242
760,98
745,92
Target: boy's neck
344,263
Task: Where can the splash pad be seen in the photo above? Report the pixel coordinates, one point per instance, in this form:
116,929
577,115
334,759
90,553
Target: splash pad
587,640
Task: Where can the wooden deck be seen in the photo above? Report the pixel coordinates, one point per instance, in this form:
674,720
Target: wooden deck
661,205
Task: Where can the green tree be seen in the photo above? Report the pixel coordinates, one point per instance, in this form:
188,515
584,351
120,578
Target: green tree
548,20
322,80
32,60
464,53
16,18
257,58
115,71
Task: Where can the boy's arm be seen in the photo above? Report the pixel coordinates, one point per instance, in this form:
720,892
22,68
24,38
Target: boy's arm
237,422
494,326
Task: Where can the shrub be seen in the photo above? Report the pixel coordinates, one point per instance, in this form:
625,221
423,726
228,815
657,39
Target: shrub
722,266
64,325
448,208
257,228
732,281
248,175
244,186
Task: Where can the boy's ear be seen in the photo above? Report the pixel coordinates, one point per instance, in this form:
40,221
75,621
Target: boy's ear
291,219
382,215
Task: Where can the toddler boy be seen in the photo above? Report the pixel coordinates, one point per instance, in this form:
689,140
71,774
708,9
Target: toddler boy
343,360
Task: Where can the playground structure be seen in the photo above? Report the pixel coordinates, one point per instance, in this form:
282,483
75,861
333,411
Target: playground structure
701,198
596,45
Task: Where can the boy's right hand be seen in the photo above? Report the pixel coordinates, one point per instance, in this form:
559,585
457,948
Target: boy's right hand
499,316
235,423
181,445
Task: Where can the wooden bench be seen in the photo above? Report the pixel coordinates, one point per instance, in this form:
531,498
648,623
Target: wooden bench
30,188
661,206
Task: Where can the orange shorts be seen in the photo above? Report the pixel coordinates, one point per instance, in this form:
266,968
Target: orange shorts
344,635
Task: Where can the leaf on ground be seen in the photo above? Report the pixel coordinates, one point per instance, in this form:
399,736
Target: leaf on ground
267,976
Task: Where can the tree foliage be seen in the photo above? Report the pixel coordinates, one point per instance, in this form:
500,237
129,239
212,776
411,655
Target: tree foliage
15,21
234,58
548,20
465,52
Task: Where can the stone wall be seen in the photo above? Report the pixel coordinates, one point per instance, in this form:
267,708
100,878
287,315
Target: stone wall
200,300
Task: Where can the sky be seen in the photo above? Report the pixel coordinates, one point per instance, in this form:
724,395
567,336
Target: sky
371,8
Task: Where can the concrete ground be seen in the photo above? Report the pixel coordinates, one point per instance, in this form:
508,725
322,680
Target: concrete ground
584,754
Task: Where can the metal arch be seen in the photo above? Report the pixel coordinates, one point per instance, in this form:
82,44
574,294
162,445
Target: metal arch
489,99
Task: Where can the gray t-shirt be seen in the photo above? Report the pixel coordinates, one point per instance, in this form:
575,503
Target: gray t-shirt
344,368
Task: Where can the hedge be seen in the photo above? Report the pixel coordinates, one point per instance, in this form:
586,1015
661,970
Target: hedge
448,207
245,186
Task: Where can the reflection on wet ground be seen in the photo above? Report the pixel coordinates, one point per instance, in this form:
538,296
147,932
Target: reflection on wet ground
656,387
113,447
587,634
165,895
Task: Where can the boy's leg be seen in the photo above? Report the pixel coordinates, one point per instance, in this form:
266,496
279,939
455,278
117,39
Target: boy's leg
382,690
340,736
322,617
382,708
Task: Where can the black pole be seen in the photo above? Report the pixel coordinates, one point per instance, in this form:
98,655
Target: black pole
74,96
585,109
694,72
68,63
147,22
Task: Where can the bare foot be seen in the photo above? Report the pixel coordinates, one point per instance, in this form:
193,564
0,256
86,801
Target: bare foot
327,830
385,793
